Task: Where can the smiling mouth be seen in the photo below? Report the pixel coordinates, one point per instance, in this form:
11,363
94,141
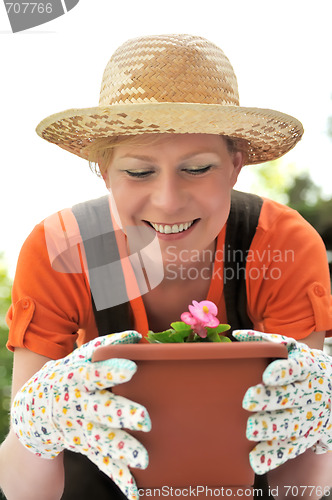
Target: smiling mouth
172,229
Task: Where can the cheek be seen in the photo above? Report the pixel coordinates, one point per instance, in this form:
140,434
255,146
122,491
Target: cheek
217,206
217,197
117,200
125,200
220,215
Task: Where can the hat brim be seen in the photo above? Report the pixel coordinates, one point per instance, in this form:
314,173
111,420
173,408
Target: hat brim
270,134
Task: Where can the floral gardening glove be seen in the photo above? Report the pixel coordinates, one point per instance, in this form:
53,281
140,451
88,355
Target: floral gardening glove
66,405
293,404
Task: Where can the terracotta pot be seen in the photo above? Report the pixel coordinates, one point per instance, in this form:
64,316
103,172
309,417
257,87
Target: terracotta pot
193,393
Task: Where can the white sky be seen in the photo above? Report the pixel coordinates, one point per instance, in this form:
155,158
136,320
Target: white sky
281,52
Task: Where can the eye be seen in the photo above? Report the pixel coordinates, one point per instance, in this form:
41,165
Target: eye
197,170
139,174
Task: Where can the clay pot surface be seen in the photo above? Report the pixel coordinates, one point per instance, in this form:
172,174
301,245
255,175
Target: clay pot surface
193,393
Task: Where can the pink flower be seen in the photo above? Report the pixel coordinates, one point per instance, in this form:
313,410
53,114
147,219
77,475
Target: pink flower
201,315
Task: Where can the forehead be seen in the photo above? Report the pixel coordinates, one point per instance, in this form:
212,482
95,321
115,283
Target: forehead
178,144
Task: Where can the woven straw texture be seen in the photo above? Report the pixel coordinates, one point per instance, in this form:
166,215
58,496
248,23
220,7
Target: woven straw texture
172,84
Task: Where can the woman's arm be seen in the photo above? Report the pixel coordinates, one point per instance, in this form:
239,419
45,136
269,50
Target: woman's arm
23,475
315,340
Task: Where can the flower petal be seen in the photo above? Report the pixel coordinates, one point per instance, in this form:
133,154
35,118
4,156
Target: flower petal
188,319
213,309
198,314
212,322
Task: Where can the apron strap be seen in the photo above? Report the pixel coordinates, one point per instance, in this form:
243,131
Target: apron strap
241,228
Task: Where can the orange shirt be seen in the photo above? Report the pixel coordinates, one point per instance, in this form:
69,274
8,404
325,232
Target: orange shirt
288,284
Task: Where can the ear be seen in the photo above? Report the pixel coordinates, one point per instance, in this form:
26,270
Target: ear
106,180
238,161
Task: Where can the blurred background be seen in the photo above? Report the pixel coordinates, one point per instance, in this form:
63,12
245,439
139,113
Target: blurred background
281,53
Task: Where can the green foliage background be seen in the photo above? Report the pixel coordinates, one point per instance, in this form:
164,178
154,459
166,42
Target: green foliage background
285,183
6,357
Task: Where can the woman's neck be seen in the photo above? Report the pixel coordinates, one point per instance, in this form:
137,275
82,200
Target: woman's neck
171,298
189,264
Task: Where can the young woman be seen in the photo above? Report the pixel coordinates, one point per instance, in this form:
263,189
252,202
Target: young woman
170,140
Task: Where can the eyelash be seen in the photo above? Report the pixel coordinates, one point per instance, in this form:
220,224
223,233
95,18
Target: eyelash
139,174
198,171
145,173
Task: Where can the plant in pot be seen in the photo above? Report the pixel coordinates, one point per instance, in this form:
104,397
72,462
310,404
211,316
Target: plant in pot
200,324
192,380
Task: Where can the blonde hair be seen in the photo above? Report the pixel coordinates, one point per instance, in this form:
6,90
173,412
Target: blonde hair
101,150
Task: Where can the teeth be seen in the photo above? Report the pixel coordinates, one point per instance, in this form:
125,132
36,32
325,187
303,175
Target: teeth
175,228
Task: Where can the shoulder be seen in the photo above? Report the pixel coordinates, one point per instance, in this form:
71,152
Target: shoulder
33,248
49,240
284,238
51,277
58,237
274,213
285,226
51,253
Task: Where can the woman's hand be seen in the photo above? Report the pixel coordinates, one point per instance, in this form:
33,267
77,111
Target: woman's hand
293,404
66,405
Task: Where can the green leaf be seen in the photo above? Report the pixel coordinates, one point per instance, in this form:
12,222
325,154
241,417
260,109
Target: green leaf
180,336
160,337
181,331
180,326
220,328
153,341
224,339
168,336
213,335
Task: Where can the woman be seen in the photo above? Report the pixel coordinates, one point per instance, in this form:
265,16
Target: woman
170,139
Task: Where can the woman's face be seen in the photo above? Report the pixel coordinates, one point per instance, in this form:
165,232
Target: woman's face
179,186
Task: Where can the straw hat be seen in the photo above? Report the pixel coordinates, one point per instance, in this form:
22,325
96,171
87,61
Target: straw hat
172,84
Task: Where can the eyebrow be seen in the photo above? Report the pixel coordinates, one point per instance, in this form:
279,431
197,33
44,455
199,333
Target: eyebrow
152,159
137,157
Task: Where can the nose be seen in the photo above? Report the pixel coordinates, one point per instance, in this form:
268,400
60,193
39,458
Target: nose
169,193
